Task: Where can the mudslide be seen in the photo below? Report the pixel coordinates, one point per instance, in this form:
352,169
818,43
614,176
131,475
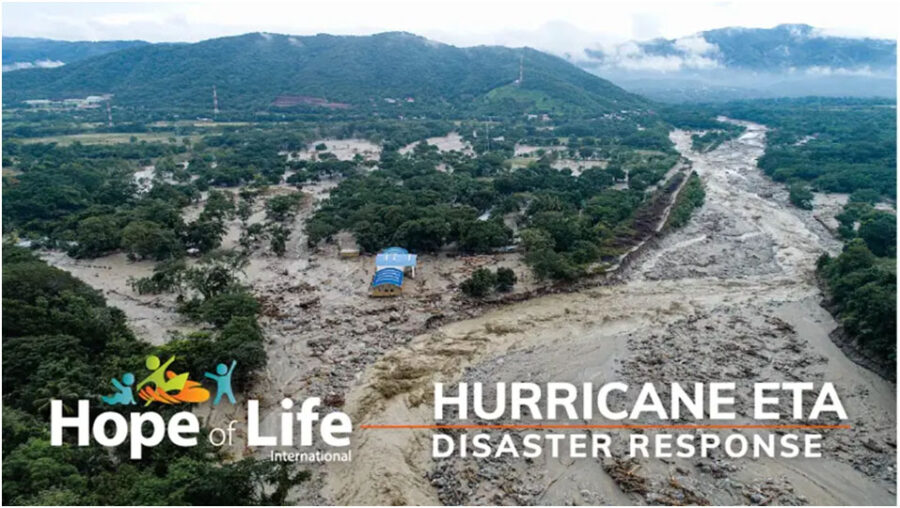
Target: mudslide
731,296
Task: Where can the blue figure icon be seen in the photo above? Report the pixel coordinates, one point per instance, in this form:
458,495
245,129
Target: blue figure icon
222,378
123,394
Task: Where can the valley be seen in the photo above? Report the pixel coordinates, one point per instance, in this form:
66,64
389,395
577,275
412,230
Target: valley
730,296
422,213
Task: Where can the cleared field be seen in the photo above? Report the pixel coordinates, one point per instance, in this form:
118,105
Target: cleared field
106,138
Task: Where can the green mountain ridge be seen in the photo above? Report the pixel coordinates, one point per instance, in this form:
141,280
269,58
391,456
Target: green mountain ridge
379,71
23,52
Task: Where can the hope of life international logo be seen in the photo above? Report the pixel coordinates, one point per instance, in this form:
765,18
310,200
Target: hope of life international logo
165,386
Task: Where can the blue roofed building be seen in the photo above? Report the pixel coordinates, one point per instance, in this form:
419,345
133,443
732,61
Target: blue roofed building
387,282
396,257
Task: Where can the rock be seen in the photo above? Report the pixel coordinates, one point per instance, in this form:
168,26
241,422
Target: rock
334,400
872,445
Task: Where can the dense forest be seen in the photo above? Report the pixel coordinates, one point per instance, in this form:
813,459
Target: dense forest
84,198
389,73
26,51
861,282
61,341
586,190
834,145
826,145
564,221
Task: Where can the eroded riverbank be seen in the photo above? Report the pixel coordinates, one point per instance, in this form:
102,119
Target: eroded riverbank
730,296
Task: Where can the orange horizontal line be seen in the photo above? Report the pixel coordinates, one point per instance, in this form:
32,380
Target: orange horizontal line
608,426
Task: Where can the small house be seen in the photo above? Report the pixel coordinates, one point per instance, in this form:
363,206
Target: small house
347,246
387,282
396,257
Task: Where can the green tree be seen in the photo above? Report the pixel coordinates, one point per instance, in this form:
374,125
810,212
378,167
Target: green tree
219,309
96,236
426,234
479,284
483,236
800,196
144,239
283,207
204,235
506,279
278,236
879,231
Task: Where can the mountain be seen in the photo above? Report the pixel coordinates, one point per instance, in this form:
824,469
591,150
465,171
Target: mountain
729,63
260,70
27,52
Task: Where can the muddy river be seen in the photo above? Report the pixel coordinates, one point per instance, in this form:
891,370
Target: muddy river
731,296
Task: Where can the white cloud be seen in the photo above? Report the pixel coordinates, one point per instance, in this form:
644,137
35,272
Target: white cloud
695,45
839,71
692,53
560,26
42,64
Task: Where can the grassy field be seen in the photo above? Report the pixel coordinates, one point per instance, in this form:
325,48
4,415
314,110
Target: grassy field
108,138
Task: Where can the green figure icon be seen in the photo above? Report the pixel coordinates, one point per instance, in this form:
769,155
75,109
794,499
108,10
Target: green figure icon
158,376
222,378
123,395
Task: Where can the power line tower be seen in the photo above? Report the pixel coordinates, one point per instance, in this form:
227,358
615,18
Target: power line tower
215,102
108,114
521,70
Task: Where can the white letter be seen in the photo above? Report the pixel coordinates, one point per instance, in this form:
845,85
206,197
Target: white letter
760,400
798,389
253,437
336,423
478,395
603,394
436,451
138,439
813,446
180,423
638,442
641,405
567,402
517,400
460,401
121,430
828,392
601,443
716,400
287,423
694,406
58,422
306,416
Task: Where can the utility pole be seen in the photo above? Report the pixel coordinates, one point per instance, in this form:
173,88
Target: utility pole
521,70
215,102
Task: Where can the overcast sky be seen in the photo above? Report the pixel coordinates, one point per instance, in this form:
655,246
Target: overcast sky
553,25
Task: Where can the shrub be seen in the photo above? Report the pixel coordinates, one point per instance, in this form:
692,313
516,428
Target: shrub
479,284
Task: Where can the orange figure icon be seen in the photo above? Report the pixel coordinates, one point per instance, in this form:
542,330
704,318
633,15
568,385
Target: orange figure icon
164,382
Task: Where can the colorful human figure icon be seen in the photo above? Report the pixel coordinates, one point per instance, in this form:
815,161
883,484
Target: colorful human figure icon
158,376
222,378
167,386
123,395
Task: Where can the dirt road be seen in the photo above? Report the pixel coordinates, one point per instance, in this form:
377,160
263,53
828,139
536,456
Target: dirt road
731,296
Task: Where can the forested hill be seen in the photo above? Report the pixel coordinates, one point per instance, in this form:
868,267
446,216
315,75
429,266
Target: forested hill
324,71
27,52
